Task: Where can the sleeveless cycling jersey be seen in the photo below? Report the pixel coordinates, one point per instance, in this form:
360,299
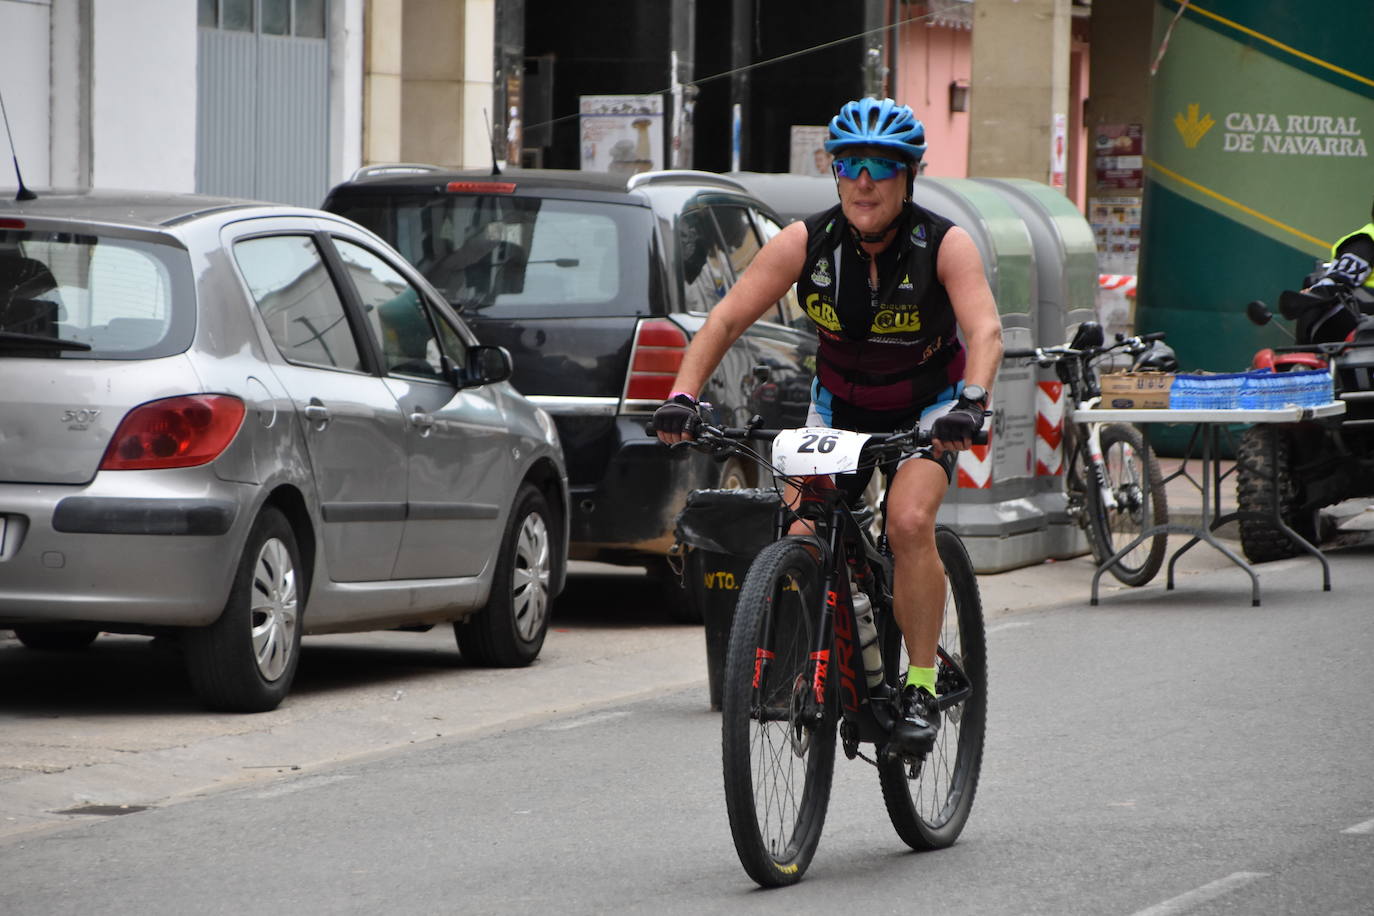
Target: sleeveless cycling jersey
883,354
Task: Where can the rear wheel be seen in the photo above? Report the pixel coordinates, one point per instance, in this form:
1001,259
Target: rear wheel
246,660
1135,481
777,745
509,632
45,639
929,800
1264,457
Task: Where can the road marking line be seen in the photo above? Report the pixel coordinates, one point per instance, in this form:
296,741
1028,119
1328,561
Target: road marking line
1366,827
1009,625
585,720
1184,902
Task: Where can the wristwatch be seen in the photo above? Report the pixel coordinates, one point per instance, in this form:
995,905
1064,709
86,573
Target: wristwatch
975,394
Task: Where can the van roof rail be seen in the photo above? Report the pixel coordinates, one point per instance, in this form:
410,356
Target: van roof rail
394,168
692,175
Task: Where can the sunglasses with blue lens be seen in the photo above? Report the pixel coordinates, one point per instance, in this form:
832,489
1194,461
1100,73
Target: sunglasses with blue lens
879,169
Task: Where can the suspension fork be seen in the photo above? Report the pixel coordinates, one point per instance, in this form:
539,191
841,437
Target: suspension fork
1092,443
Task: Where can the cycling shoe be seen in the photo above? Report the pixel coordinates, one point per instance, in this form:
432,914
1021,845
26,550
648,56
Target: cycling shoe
915,731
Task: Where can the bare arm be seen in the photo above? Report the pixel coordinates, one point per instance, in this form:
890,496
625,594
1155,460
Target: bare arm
960,269
763,283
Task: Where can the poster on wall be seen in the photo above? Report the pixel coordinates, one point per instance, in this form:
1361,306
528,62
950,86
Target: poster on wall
808,151
1059,148
1119,155
621,134
1116,226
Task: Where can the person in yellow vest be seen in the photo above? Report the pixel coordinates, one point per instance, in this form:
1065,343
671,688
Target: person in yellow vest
1340,292
1351,259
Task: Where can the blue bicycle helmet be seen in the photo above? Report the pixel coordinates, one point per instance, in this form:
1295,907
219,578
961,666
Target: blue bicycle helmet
881,123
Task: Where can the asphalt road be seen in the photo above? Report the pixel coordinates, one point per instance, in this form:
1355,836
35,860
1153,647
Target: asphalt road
1162,753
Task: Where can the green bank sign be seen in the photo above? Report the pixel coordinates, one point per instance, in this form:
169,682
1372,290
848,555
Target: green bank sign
1259,130
1257,158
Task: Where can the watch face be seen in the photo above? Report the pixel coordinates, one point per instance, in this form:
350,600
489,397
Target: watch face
975,393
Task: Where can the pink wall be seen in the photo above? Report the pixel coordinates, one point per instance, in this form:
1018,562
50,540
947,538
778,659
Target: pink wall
929,59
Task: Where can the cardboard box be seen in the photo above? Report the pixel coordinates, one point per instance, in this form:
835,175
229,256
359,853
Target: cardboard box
1135,389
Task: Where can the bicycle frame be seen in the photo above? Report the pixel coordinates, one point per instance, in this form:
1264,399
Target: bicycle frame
847,544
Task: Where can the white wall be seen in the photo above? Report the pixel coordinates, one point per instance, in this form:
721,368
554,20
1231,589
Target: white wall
143,95
24,87
345,88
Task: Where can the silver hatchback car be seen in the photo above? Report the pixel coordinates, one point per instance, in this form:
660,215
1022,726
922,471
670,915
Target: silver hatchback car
237,423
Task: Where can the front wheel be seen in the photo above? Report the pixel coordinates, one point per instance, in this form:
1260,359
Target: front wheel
777,743
510,630
1266,487
1136,484
929,801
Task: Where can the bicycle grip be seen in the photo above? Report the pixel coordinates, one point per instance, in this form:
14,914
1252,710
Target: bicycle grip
1153,335
1017,354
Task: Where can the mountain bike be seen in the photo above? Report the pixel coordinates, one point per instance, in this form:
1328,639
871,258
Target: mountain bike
814,650
1113,482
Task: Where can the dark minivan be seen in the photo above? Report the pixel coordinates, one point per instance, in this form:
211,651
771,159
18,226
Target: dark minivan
595,283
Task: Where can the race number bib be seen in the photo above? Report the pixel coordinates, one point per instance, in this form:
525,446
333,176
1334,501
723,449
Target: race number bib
817,450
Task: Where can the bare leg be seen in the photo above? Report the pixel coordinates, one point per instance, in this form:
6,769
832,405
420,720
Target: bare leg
918,592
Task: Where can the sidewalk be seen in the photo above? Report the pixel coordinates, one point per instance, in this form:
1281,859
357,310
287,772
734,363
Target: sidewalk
1069,582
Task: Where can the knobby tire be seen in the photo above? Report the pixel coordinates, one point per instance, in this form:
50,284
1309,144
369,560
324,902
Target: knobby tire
930,803
777,768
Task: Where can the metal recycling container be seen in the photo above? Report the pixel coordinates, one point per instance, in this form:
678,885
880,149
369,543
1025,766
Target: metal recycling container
991,505
1066,289
722,530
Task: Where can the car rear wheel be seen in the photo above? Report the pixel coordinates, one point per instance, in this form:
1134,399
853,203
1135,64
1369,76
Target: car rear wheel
510,630
246,660
51,640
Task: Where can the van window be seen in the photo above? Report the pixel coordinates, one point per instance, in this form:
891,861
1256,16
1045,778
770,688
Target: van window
515,257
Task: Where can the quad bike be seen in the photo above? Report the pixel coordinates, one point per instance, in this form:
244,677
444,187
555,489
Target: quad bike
1315,463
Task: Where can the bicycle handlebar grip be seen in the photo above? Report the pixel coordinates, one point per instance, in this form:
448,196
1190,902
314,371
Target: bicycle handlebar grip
1153,335
1017,354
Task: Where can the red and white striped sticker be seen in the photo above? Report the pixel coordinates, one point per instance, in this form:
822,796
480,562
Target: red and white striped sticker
974,470
1122,283
1049,429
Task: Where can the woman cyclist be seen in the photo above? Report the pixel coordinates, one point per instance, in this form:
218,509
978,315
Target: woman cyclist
907,329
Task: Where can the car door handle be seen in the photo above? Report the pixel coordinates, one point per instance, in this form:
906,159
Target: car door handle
317,414
422,421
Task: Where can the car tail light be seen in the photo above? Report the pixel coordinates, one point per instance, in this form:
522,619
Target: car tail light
177,432
8,223
654,360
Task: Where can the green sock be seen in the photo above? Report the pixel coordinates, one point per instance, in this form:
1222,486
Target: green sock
921,677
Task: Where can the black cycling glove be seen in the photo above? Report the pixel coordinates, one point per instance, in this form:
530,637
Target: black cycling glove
678,413
961,423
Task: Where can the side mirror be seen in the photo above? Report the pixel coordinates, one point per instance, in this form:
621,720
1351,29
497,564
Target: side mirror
487,365
1258,313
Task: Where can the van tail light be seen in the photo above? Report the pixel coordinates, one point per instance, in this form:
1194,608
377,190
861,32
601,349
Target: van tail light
179,432
654,360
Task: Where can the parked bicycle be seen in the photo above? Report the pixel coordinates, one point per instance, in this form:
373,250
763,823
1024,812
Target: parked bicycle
1112,479
814,649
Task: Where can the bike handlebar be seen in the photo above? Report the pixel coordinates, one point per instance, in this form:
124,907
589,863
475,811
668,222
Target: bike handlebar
1047,355
709,437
